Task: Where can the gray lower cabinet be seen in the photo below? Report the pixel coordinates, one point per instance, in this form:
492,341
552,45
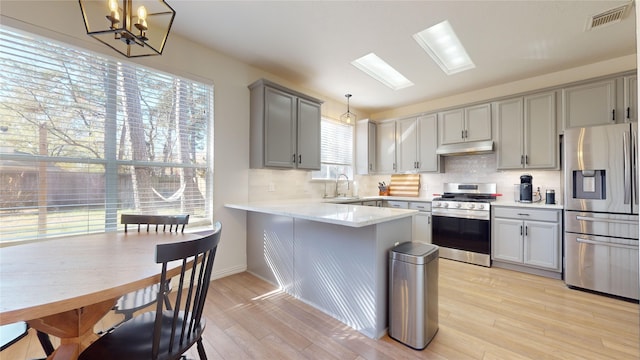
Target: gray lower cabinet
285,128
376,203
422,221
396,204
527,239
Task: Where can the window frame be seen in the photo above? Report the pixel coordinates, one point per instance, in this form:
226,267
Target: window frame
329,171
111,164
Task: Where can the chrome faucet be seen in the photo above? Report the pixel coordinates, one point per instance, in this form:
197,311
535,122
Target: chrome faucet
338,178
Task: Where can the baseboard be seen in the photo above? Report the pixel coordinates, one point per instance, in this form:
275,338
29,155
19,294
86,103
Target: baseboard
528,270
228,271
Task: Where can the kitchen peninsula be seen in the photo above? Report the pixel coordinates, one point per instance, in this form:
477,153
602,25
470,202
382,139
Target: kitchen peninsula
331,256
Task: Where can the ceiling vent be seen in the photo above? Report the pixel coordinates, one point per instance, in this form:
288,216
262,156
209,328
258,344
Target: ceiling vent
608,17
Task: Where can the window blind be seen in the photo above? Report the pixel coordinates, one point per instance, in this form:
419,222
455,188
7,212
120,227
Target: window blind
84,138
336,150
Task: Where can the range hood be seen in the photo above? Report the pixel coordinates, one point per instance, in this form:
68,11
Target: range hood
466,148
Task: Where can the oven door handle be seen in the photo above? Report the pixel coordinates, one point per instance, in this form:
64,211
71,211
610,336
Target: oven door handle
462,216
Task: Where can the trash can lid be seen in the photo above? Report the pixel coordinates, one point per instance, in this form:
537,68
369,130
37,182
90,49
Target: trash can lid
414,252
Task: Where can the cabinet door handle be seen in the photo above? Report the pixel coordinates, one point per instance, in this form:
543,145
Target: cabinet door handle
429,219
294,158
520,230
299,159
370,166
521,159
628,113
613,115
466,133
526,231
394,166
526,159
523,214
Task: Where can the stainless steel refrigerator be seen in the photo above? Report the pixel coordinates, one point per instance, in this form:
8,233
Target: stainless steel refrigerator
601,209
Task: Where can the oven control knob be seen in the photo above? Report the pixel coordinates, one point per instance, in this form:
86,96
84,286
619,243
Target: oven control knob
480,206
445,205
458,205
471,206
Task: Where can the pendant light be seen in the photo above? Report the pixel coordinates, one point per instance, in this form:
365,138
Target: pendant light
133,28
348,118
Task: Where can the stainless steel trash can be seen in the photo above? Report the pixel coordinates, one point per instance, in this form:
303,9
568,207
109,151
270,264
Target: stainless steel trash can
413,293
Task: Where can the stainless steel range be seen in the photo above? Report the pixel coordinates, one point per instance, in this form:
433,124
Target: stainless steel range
462,222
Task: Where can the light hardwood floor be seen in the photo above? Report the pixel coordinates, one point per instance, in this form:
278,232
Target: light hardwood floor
484,313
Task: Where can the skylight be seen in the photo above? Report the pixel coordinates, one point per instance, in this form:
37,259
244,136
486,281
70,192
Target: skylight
378,69
444,47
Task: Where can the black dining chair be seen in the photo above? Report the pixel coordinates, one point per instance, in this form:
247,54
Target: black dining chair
167,334
129,303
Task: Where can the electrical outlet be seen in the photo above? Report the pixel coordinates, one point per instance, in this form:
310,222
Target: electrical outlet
272,187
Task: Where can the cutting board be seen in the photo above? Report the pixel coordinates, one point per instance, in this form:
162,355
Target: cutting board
404,185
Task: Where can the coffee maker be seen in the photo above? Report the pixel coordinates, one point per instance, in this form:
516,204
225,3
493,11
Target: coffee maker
526,188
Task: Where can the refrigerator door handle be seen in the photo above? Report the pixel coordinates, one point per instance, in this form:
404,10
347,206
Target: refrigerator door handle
611,221
594,242
634,169
626,148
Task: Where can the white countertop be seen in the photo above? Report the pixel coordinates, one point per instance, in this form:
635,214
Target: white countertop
498,202
338,214
377,197
535,205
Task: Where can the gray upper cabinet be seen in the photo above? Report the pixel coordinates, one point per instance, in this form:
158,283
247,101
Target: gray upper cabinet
526,131
472,123
365,147
417,143
608,101
589,104
308,138
386,147
631,98
285,128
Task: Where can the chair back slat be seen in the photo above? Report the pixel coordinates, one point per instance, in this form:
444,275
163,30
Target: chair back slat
175,222
197,258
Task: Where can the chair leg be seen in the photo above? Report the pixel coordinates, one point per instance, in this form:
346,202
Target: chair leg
45,341
201,353
167,303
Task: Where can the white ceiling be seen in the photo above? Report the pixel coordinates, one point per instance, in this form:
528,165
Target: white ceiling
312,43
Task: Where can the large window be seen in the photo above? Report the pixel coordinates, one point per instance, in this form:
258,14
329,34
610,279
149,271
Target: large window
336,150
84,138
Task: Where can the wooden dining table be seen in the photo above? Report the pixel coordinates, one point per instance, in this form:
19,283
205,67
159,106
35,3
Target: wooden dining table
64,286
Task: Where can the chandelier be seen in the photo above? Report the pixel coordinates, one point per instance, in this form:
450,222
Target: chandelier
133,28
348,117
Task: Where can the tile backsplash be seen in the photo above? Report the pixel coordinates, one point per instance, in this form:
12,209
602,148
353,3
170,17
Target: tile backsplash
295,184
